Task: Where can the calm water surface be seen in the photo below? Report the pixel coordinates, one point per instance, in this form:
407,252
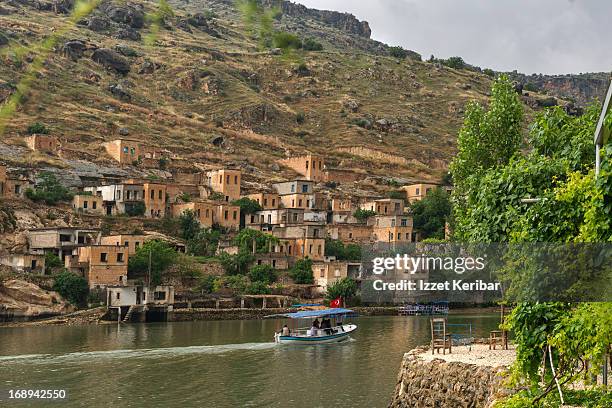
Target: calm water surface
212,364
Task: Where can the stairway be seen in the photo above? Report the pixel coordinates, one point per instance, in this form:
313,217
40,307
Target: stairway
129,314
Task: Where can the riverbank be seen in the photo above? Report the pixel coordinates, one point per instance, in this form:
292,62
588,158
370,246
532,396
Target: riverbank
464,378
94,316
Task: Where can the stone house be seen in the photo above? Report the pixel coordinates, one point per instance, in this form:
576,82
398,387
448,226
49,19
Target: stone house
31,263
297,200
13,186
175,192
264,220
416,192
226,182
293,187
204,211
61,240
88,204
332,270
42,143
119,198
267,201
227,216
276,260
103,265
392,228
351,233
124,151
301,241
384,206
154,199
133,295
130,241
341,204
309,166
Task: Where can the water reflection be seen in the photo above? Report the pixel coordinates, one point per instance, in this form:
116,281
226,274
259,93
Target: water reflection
217,364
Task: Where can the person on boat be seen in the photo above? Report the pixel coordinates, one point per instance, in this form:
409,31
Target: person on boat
285,331
314,330
326,325
316,323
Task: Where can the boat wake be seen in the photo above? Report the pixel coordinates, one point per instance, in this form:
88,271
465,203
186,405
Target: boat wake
134,353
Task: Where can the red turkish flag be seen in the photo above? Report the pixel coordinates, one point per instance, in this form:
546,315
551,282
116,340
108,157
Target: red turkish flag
336,302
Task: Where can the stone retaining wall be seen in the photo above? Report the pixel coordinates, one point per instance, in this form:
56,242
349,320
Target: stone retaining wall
442,384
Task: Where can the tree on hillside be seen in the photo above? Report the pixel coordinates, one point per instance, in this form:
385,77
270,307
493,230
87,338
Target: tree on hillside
204,243
190,226
345,288
363,215
349,252
159,255
71,287
49,190
247,207
262,273
431,213
301,273
248,237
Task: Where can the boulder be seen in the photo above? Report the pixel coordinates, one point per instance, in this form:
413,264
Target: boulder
98,24
547,102
127,33
148,67
3,39
198,20
124,131
120,92
126,50
74,49
111,60
183,25
130,14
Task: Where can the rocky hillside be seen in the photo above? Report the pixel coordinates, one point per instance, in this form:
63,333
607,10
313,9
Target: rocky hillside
583,89
199,84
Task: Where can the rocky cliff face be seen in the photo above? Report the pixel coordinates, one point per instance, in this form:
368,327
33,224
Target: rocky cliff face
581,88
342,21
21,299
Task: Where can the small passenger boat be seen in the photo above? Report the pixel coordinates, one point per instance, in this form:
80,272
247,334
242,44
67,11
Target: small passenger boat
335,331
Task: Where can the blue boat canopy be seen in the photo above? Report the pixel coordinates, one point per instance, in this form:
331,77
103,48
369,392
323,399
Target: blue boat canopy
305,314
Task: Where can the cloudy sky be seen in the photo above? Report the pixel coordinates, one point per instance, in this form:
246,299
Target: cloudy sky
532,36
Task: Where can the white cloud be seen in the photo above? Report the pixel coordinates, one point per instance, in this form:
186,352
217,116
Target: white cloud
543,36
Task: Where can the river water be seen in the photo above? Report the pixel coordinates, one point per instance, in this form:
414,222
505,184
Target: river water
211,363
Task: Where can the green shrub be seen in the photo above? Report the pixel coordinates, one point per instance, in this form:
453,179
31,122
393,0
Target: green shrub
159,254
52,261
454,62
204,243
235,264
531,87
286,41
49,190
258,288
345,288
489,72
72,287
301,273
363,215
37,128
137,210
350,252
190,226
310,44
207,283
262,273
237,283
300,117
398,52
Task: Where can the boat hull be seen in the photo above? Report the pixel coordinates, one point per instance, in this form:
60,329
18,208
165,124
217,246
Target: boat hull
331,338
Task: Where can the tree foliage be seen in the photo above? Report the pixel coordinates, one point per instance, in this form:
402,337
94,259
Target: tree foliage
71,287
49,190
345,288
301,272
363,215
262,273
236,264
190,226
342,252
431,213
161,256
248,236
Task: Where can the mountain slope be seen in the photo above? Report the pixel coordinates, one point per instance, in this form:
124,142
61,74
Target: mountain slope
201,87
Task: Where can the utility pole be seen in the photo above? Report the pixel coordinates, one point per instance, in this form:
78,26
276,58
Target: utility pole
149,273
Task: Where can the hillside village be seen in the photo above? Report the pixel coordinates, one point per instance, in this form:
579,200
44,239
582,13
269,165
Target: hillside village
300,214
183,129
